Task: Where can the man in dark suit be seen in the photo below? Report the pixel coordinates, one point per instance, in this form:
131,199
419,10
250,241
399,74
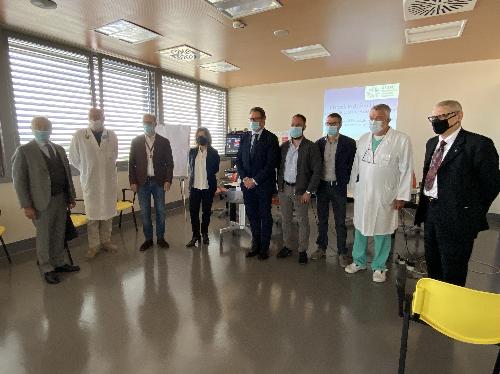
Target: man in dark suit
337,153
298,178
257,160
151,168
460,182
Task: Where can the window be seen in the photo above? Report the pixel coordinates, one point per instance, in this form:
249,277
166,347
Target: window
50,82
127,93
62,83
180,104
213,115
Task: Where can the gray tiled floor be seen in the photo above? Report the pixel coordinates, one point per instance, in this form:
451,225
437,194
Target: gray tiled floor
214,311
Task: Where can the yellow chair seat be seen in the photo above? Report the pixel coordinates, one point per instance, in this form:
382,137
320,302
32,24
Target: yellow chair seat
463,314
123,205
79,219
2,230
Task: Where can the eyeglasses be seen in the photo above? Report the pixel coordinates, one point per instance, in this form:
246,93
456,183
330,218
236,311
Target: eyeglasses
442,116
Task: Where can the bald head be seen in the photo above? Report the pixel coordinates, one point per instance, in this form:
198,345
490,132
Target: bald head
96,114
40,123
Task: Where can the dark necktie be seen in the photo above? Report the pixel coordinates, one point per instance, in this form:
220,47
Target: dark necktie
437,158
51,152
252,146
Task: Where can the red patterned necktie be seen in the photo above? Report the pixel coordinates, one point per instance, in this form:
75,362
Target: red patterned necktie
437,158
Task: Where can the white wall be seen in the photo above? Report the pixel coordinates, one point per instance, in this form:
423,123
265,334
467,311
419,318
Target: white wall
476,85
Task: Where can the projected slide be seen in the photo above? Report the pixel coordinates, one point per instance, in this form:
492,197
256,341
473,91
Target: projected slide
354,104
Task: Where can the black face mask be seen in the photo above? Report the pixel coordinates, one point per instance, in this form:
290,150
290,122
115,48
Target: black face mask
202,140
441,125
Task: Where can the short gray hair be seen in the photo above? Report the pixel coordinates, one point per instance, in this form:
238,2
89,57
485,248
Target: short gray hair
41,122
452,104
383,107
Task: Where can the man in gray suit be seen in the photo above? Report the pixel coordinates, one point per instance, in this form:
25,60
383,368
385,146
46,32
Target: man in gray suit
42,179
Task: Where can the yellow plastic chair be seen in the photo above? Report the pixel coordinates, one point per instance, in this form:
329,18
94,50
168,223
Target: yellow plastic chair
2,231
460,313
125,204
78,219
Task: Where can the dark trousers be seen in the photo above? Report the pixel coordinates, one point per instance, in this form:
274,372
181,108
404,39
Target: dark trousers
326,194
204,198
447,251
258,209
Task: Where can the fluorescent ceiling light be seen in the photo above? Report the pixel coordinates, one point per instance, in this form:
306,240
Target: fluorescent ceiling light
220,67
242,8
416,9
431,33
184,53
127,31
306,53
44,4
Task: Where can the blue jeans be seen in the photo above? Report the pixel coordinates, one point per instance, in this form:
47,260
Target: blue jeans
144,194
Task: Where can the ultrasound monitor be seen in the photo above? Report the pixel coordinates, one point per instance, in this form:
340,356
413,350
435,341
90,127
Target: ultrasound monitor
233,144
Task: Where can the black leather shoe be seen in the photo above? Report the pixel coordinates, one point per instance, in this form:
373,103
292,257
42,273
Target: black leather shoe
146,245
51,277
285,252
162,243
303,258
263,255
252,253
192,243
206,240
67,268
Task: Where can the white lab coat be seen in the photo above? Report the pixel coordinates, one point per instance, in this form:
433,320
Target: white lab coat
380,183
97,167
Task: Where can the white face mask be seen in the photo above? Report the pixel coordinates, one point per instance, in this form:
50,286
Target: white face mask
97,125
254,126
375,126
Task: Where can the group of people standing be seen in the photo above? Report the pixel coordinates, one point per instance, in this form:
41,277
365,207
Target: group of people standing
378,170
460,181
44,185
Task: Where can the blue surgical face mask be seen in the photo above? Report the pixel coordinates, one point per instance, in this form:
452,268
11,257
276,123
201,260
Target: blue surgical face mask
375,126
149,129
295,132
41,136
254,126
332,130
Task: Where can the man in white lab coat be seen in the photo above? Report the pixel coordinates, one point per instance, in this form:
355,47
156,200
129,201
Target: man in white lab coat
93,152
381,183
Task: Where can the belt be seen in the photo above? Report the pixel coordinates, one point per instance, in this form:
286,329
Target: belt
290,184
330,183
432,200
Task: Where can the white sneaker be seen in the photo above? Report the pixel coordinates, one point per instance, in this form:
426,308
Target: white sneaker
354,268
379,276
